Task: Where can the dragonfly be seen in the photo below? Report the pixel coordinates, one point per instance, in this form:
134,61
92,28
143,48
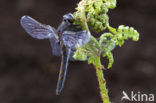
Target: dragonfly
64,40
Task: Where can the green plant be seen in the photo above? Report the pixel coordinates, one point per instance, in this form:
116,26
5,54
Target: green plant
93,14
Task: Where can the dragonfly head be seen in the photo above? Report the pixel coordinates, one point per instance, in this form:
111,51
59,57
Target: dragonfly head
67,21
68,18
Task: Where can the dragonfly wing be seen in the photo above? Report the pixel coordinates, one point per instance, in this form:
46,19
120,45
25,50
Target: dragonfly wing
63,70
56,50
82,37
36,29
72,38
69,40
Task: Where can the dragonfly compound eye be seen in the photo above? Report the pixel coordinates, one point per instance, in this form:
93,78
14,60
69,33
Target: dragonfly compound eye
68,17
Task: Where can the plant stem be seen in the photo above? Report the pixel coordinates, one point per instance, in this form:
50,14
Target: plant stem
97,64
102,82
82,16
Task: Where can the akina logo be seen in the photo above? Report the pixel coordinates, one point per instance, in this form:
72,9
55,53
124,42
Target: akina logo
138,96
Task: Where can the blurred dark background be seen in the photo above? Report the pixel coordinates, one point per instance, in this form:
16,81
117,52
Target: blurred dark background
28,70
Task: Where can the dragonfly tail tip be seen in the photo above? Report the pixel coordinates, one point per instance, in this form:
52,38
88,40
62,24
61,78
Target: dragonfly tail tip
58,92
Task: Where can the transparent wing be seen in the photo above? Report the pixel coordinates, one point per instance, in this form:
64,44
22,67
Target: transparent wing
82,37
56,50
71,39
36,29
